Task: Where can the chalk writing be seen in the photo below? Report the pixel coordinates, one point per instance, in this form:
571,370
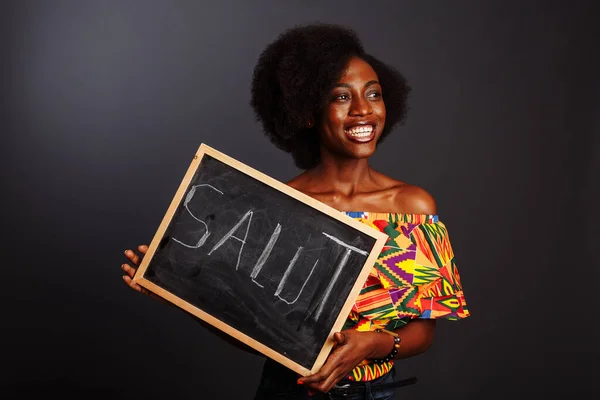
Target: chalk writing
229,235
186,203
247,218
265,254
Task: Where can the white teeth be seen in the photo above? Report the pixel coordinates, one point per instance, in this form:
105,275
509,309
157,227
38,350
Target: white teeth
360,131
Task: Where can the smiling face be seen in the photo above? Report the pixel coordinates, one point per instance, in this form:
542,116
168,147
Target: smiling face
354,114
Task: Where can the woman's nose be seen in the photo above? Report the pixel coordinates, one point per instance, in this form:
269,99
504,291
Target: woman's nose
360,106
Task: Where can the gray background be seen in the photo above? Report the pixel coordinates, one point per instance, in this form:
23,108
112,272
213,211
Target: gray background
105,102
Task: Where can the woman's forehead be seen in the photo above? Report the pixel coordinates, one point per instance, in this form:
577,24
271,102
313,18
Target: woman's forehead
358,69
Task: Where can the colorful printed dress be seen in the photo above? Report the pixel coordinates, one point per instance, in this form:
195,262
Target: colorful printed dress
414,277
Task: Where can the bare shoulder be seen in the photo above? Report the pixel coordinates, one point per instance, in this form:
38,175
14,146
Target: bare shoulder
381,194
411,199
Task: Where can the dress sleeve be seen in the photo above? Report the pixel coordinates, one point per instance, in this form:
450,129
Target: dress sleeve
418,271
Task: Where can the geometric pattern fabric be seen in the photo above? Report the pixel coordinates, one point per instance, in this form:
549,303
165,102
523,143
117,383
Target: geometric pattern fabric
415,276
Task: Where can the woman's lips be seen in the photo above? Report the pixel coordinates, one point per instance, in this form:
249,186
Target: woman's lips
360,133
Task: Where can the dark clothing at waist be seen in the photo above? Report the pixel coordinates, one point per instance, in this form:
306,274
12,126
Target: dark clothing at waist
279,382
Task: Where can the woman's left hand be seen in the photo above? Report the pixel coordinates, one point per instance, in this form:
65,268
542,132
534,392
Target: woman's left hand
351,347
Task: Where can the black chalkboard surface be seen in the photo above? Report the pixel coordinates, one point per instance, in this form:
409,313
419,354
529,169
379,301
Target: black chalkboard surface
259,260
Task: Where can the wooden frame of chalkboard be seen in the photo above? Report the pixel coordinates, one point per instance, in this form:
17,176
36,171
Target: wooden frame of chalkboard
238,249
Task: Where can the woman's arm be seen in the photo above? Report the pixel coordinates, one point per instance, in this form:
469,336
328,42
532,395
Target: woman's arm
352,347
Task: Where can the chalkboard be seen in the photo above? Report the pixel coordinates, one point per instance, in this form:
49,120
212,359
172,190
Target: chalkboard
259,260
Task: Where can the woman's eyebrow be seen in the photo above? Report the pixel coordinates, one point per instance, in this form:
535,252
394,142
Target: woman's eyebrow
347,85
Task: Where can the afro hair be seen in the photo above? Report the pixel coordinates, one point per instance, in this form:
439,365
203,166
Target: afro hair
295,73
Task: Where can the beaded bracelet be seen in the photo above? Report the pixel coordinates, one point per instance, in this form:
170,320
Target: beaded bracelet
394,351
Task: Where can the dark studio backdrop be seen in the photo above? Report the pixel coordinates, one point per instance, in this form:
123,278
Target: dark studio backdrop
105,103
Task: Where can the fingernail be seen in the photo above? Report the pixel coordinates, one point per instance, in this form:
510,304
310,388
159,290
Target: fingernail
122,266
126,252
300,382
310,393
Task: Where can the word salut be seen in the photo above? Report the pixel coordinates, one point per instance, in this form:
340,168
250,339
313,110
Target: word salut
240,232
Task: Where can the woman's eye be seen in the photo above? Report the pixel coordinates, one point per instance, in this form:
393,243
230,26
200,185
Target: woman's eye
342,97
373,95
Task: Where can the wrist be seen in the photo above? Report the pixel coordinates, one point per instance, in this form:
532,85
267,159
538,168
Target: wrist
395,345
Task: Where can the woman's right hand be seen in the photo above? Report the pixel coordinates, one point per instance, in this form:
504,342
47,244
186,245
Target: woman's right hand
129,270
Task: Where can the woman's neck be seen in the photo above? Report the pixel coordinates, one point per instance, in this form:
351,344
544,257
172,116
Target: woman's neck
344,175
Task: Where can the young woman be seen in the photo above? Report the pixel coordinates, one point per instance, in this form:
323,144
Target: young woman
322,98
